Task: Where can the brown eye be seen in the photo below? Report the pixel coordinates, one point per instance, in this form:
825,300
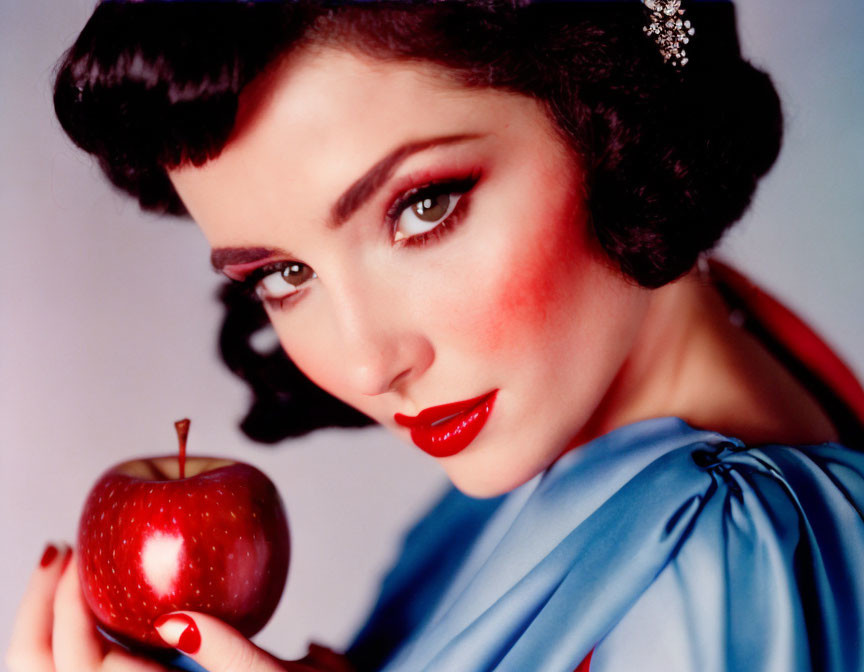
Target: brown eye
425,214
297,274
432,208
280,284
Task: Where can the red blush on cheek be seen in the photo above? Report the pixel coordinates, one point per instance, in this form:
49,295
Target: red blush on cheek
524,305
520,308
536,287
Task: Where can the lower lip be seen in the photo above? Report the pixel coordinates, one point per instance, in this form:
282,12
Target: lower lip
454,435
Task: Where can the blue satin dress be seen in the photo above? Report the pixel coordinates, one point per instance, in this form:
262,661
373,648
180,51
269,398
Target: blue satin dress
654,547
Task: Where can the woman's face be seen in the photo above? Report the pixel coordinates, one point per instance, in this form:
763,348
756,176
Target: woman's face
416,244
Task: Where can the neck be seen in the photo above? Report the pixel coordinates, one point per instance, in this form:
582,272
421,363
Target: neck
690,361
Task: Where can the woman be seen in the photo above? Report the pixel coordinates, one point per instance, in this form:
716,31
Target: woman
479,225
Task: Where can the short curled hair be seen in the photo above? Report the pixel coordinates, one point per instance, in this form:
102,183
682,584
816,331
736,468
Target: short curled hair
671,157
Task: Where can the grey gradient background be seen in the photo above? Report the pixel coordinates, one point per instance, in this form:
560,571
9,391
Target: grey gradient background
108,316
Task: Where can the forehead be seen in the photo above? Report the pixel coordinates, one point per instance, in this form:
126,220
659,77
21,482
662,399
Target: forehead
312,125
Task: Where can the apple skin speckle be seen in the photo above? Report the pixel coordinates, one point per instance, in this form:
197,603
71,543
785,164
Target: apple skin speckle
230,559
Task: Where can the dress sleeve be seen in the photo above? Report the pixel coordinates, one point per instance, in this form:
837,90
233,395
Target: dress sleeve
769,578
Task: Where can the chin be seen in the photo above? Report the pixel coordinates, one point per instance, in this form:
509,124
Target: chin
482,481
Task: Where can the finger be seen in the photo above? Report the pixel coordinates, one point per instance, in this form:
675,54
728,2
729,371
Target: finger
119,660
30,644
213,644
77,645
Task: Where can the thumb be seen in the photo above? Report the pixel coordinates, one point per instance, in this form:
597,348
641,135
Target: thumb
213,644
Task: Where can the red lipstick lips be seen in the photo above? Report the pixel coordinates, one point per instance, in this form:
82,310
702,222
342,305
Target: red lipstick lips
443,431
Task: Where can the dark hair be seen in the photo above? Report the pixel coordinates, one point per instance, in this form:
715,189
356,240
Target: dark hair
671,156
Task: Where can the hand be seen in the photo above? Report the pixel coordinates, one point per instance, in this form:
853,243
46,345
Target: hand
55,632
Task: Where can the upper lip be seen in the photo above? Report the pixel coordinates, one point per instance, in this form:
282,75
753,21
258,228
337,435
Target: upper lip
436,413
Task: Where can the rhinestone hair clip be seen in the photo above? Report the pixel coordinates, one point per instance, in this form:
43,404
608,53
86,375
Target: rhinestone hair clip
670,30
666,26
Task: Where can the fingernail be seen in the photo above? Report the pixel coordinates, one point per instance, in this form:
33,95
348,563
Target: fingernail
179,631
67,556
49,555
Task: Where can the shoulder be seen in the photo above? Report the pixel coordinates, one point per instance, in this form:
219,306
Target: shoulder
804,481
799,496
767,569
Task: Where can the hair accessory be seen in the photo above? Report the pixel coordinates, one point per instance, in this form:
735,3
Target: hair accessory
669,29
667,25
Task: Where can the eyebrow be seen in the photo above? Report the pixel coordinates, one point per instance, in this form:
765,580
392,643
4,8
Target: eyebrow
348,203
237,256
376,177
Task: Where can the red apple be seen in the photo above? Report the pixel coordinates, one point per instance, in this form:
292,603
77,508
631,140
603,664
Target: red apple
153,539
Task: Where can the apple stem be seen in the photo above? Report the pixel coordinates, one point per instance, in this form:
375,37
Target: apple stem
182,427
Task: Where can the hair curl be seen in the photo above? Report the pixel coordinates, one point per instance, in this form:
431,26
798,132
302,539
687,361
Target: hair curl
671,158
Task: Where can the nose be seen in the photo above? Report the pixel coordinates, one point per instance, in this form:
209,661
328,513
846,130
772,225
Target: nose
383,351
377,366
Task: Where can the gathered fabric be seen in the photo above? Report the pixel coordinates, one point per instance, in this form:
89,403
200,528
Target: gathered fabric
654,547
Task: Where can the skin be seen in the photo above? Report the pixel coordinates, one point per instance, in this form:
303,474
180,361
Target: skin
501,302
516,297
54,631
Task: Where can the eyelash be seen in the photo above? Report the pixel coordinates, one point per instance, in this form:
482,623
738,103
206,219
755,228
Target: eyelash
250,282
461,186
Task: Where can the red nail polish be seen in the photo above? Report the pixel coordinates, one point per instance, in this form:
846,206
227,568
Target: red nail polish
49,555
67,556
189,640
